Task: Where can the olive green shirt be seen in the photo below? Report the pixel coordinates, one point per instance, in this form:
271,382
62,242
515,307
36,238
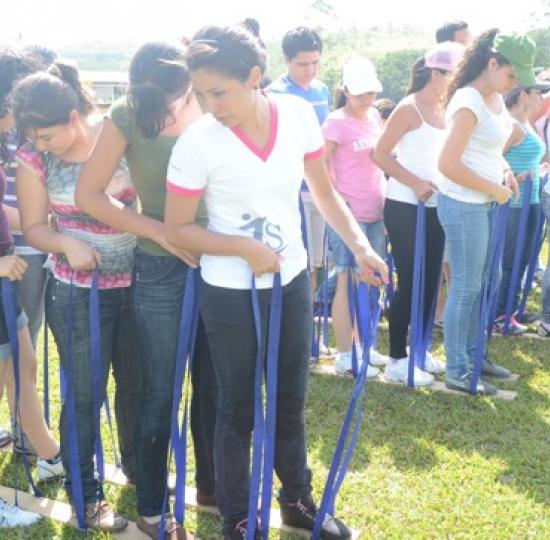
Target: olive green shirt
148,162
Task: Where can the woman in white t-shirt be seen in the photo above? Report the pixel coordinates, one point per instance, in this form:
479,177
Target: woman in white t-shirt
472,162
416,128
248,158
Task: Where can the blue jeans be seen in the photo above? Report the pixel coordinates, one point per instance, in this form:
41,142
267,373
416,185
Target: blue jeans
545,201
159,284
343,259
229,323
467,228
118,339
510,246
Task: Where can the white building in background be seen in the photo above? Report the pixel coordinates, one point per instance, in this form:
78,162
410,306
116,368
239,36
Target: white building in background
107,86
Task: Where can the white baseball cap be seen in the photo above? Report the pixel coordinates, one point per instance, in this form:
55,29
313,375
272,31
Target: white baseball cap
359,76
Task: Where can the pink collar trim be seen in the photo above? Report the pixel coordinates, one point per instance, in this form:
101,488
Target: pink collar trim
262,153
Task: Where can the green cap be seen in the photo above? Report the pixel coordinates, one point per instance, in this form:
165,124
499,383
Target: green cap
520,50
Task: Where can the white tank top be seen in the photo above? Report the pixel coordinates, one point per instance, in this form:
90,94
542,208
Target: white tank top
418,151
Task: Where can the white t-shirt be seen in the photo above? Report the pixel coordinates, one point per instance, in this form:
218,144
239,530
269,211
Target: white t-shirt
483,152
247,191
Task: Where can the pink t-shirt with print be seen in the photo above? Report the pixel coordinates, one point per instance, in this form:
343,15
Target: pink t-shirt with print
357,178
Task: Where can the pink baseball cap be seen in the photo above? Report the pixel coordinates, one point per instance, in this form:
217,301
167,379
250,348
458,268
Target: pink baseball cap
446,56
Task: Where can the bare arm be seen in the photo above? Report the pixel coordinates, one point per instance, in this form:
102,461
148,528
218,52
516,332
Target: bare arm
33,207
13,217
183,233
92,198
334,210
450,163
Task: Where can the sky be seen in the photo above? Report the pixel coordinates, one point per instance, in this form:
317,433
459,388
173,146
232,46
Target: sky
59,23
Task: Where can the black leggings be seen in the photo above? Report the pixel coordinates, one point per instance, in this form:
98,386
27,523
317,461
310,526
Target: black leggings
400,221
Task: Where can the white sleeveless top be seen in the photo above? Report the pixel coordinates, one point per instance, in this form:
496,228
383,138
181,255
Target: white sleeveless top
418,151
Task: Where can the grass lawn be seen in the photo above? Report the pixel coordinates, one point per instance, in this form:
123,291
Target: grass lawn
427,465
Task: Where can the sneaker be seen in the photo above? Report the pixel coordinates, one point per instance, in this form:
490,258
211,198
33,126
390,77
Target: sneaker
302,514
343,365
432,364
398,371
238,532
101,517
5,437
438,323
13,516
514,328
462,384
543,329
48,469
527,317
494,370
377,359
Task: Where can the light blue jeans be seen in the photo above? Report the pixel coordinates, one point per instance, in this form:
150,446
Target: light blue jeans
467,229
545,201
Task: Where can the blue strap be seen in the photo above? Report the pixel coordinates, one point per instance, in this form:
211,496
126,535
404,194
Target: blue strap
489,290
96,370
389,289
263,439
46,375
76,476
9,295
178,437
367,324
515,280
533,260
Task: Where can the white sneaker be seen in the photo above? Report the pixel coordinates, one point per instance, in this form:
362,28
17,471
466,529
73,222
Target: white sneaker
49,469
398,371
13,516
377,359
432,364
343,365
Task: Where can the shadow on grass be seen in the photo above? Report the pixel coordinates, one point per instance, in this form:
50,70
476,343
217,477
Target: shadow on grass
410,425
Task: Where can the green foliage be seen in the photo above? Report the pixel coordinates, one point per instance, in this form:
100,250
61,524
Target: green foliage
542,39
394,71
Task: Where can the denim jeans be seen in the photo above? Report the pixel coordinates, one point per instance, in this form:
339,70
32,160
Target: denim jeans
229,324
545,201
31,291
341,255
159,284
510,246
467,228
118,339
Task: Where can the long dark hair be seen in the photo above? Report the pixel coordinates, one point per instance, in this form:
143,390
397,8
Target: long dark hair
158,75
231,51
420,76
46,99
476,58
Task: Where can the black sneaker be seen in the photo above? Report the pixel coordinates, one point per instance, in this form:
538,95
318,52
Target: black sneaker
238,531
462,384
494,370
302,514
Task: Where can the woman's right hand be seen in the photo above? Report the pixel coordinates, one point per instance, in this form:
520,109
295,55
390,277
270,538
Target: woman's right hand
424,189
80,255
502,194
13,267
261,258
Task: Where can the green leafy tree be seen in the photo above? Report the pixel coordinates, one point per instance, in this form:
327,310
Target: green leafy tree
394,71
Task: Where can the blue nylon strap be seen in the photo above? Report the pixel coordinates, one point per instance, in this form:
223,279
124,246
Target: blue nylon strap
76,475
178,437
324,290
417,350
367,324
96,370
46,375
533,260
9,295
263,439
389,289
490,288
515,280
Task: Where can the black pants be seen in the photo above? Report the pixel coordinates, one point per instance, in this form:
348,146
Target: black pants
229,324
400,221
